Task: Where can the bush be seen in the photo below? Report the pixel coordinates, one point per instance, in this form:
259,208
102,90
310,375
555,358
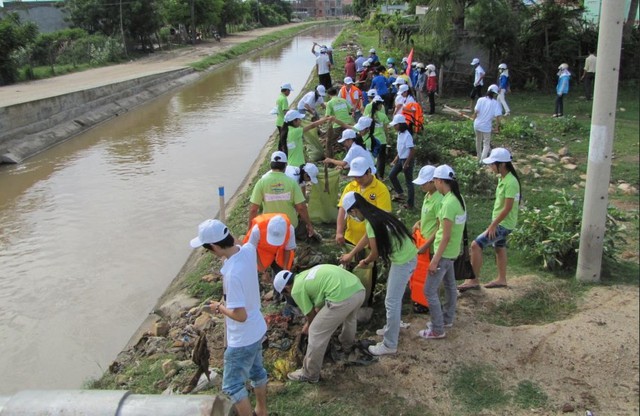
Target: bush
434,145
519,128
552,234
473,179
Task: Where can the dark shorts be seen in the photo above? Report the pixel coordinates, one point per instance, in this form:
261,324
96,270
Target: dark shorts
476,92
499,241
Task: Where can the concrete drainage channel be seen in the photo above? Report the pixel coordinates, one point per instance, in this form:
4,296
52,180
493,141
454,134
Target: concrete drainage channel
111,403
32,127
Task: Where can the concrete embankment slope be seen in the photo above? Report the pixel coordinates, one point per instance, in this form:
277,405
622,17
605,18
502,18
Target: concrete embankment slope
31,127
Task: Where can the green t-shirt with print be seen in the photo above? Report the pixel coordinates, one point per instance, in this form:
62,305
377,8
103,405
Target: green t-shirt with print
341,109
381,120
429,214
324,282
367,109
508,187
450,209
276,192
400,253
282,105
295,147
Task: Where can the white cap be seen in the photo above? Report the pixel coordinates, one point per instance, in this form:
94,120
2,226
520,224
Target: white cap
372,50
210,232
399,81
322,91
377,98
358,166
286,86
281,280
420,65
276,230
347,134
397,119
292,115
493,88
563,66
405,59
348,201
425,175
279,156
431,67
499,154
444,172
364,122
323,49
502,66
329,48
403,88
475,61
312,171
366,63
359,53
372,92
348,80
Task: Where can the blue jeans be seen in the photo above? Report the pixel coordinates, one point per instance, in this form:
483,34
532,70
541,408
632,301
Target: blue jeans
399,275
242,364
498,241
408,179
444,273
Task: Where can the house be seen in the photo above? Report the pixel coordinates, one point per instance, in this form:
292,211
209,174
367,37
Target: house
48,15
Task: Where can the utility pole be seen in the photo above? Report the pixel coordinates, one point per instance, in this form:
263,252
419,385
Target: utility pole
193,22
124,42
603,118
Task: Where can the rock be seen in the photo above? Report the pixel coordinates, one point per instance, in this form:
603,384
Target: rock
627,189
526,170
570,166
121,380
546,149
612,189
455,152
171,373
364,314
583,176
623,109
563,151
568,160
549,160
552,155
160,329
194,311
168,365
210,278
184,364
177,305
536,175
202,322
568,408
268,296
582,184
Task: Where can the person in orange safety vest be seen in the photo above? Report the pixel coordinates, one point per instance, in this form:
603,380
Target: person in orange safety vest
353,95
273,235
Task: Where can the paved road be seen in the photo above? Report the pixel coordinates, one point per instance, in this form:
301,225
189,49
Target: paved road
154,64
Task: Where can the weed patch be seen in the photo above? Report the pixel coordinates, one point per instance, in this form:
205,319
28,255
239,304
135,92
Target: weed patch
529,395
477,387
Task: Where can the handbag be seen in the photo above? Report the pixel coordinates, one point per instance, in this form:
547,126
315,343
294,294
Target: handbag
462,265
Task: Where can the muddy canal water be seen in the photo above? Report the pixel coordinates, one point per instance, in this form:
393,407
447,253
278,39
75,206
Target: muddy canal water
93,230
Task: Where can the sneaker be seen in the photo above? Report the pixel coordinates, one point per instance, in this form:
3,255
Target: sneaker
429,334
430,325
403,325
298,375
381,349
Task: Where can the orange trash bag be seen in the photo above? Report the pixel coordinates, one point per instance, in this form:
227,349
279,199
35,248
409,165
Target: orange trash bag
419,276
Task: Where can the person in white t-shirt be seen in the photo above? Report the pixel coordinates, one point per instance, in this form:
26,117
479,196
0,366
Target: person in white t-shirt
323,66
487,110
355,148
478,80
311,101
245,324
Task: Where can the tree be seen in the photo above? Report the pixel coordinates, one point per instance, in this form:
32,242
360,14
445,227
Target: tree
495,38
13,35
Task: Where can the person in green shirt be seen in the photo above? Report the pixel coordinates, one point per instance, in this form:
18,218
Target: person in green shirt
282,105
503,220
451,221
291,136
380,132
276,192
329,296
389,238
340,109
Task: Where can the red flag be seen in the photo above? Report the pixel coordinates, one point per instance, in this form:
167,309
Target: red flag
409,59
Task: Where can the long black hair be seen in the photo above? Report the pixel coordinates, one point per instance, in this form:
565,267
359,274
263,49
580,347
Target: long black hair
455,188
512,169
402,127
385,226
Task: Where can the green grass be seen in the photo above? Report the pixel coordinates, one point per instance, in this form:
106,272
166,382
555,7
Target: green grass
42,72
529,395
476,387
194,284
548,301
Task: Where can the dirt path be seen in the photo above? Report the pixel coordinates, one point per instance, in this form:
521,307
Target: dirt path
153,64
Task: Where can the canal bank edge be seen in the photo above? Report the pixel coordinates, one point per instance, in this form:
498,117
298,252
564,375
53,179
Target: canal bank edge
175,299
26,129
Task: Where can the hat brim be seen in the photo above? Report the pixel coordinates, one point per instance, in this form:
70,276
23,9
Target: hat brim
196,242
419,181
275,240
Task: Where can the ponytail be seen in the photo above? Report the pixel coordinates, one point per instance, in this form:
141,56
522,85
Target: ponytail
455,188
512,169
358,140
302,173
284,135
